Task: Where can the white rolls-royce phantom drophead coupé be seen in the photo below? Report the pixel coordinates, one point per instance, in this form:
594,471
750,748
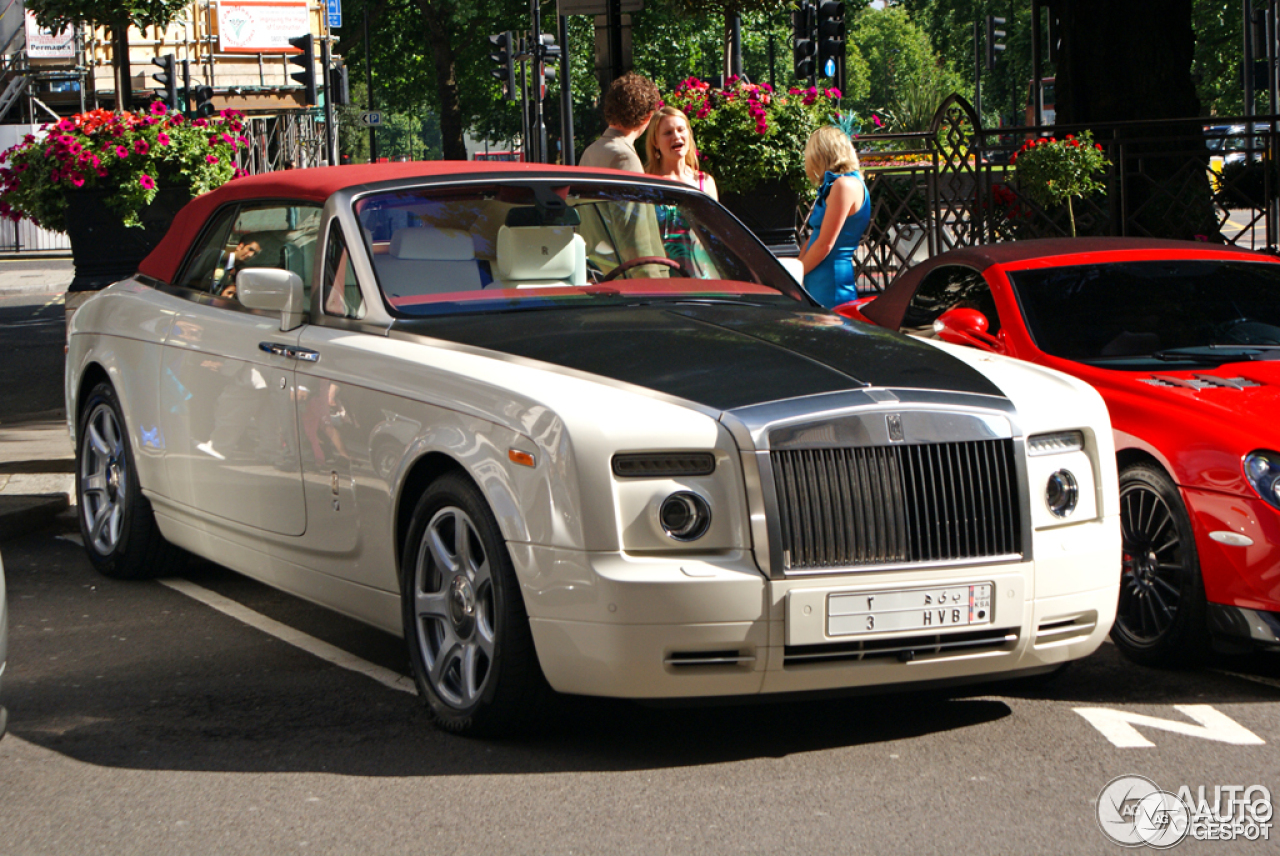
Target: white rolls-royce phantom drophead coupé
579,431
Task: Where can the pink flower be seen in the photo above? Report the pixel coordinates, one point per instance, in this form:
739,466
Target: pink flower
122,152
141,146
65,125
199,123
77,179
162,138
159,108
146,181
211,158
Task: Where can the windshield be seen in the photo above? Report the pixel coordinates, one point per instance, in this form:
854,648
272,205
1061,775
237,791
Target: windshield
1154,311
531,245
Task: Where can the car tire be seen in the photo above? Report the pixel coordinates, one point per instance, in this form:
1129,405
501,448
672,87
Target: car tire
465,623
1160,619
117,525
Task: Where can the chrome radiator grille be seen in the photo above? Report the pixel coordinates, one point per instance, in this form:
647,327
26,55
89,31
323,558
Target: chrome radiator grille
897,504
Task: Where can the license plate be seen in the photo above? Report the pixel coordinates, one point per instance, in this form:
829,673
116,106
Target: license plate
907,610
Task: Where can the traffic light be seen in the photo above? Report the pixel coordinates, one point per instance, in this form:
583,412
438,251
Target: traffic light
995,36
339,85
168,79
504,45
803,47
307,59
548,52
830,38
203,101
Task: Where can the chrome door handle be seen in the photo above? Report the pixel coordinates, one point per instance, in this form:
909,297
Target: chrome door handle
279,350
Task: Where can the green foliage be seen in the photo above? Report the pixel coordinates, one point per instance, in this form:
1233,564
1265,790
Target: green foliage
904,72
1218,25
749,135
132,155
1052,171
57,14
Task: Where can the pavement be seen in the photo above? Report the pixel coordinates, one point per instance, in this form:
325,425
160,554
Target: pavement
37,462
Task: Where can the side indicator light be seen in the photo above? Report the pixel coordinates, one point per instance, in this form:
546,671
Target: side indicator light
524,459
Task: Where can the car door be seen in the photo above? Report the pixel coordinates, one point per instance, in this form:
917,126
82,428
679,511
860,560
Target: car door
227,375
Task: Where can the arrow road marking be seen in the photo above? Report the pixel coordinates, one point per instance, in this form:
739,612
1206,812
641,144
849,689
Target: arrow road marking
1118,725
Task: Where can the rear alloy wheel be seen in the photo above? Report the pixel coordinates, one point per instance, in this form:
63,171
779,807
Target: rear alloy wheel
1160,620
116,522
464,620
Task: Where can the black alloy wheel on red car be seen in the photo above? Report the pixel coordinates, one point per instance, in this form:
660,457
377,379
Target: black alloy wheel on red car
1160,620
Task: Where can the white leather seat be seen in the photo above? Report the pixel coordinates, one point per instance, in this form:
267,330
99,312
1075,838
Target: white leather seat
427,260
530,256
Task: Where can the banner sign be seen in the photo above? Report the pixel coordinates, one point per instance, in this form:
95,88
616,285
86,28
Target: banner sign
43,43
261,26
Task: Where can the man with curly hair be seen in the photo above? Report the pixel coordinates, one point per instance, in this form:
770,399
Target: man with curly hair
629,104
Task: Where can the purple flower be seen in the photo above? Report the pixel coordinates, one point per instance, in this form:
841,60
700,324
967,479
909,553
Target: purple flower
141,146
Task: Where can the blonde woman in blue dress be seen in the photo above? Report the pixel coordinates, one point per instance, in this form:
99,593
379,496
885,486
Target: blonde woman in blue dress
839,217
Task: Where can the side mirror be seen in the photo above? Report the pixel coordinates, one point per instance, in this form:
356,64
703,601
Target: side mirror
965,326
272,290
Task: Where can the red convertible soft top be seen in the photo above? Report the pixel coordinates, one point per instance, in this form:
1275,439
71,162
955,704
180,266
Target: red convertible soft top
318,184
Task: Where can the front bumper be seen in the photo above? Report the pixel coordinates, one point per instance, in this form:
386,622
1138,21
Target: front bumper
648,627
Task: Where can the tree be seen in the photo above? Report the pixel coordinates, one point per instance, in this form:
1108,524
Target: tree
906,76
1149,45
727,11
117,16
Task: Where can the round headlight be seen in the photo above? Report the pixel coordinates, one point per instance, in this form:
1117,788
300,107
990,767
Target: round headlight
1061,493
685,516
1262,469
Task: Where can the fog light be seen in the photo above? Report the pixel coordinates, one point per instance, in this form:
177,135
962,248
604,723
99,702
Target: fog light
1062,493
685,516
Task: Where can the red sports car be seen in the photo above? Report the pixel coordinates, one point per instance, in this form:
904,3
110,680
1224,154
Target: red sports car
1183,341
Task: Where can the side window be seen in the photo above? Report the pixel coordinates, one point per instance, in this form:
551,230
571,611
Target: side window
269,235
946,288
340,290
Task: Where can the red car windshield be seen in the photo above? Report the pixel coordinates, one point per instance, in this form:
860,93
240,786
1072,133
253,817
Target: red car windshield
531,245
1154,311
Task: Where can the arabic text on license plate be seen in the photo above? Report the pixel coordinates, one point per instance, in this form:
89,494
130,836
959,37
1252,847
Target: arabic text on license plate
909,609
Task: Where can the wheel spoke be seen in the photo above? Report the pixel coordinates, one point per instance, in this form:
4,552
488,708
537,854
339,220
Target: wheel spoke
101,515
446,560
93,485
448,654
434,604
470,673
97,442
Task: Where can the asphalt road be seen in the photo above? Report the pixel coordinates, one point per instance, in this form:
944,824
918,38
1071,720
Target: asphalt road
146,721
32,337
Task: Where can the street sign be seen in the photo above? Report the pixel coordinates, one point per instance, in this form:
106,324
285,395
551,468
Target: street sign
335,13
371,119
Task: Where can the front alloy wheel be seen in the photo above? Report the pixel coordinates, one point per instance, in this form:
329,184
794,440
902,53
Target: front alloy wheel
464,620
453,596
1160,620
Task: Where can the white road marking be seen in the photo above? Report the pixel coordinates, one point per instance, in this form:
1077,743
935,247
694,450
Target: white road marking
1117,726
1257,679
297,638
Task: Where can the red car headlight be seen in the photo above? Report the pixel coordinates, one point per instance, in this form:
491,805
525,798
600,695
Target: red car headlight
1262,470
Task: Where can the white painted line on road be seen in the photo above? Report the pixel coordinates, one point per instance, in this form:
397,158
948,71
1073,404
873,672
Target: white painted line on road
297,638
1257,679
1118,726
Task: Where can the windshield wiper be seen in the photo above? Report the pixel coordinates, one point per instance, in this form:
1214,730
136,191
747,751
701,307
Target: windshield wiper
1222,353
